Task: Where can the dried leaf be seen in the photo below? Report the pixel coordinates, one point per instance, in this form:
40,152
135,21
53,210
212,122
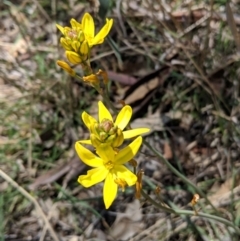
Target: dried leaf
167,150
142,91
153,122
73,168
129,223
122,78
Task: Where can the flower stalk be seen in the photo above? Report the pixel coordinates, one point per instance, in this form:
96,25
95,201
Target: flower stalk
107,133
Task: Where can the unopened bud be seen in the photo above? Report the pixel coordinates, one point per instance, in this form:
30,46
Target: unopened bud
106,125
65,44
103,136
119,138
95,128
84,49
113,130
110,139
95,141
81,36
75,45
73,57
66,67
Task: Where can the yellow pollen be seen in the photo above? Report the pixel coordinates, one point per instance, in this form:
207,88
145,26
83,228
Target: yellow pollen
109,165
121,182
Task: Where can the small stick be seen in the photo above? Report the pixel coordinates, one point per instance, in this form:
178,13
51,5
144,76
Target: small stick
33,200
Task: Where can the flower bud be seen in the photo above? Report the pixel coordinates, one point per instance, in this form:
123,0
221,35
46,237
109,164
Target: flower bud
95,141
84,49
65,44
95,128
118,141
113,130
73,57
66,67
75,45
81,36
106,125
110,139
103,136
66,31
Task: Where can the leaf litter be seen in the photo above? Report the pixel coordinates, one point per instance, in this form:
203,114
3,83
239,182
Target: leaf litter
181,79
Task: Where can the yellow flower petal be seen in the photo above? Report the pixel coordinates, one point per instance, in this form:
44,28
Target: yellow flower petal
99,38
88,26
127,153
87,156
106,153
75,24
103,112
88,142
109,190
123,117
93,176
61,28
135,132
88,120
123,173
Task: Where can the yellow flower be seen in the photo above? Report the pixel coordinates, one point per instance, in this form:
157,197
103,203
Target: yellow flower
107,131
84,30
109,167
88,28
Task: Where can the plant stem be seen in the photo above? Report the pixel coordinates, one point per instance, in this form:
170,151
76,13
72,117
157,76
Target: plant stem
190,213
177,173
106,98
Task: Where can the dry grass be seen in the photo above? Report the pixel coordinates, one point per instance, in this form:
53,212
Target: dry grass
176,63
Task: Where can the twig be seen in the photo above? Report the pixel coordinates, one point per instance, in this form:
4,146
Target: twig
33,200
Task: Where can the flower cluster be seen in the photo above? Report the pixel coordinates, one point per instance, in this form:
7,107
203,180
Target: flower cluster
107,134
79,39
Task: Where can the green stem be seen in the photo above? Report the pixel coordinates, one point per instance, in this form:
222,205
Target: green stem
177,173
106,98
156,204
190,213
105,95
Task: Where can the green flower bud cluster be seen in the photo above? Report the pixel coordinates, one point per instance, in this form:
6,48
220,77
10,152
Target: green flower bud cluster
106,132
